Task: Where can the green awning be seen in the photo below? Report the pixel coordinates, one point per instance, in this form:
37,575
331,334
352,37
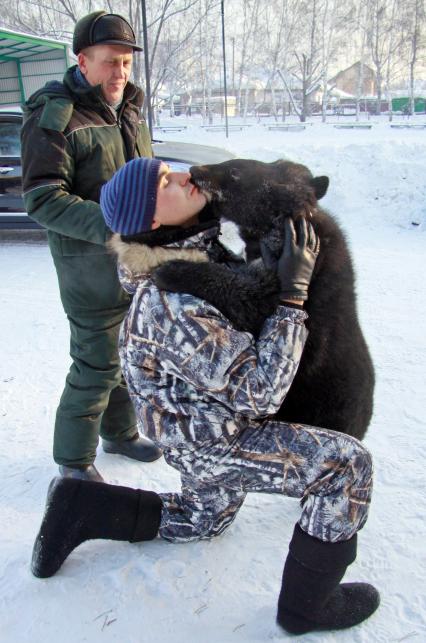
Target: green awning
27,62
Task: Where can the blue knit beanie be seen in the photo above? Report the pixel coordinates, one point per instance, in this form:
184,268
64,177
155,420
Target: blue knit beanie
128,200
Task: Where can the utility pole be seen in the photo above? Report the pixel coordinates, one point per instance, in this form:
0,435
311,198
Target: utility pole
233,66
147,74
224,67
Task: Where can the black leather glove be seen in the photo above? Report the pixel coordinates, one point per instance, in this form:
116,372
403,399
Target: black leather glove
295,264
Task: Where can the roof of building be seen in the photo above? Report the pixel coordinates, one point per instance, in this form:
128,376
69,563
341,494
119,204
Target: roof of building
21,46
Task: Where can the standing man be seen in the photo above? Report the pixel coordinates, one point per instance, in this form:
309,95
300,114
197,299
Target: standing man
76,135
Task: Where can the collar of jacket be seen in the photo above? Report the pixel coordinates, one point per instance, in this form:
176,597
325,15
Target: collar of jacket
142,259
58,100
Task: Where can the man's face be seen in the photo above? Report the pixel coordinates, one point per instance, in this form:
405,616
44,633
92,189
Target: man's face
108,66
178,200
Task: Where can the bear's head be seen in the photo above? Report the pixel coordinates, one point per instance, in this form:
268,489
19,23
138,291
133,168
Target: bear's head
257,196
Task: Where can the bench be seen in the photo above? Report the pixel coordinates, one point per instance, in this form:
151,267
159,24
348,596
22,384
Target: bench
353,126
170,128
222,128
285,128
408,125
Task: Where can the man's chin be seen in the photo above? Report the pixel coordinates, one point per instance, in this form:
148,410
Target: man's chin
114,98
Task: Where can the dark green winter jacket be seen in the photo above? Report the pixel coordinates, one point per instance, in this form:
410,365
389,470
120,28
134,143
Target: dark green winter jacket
72,143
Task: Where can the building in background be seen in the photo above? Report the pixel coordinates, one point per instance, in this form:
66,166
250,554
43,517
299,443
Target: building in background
347,80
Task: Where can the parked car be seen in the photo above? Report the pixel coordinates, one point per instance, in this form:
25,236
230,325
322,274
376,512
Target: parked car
180,156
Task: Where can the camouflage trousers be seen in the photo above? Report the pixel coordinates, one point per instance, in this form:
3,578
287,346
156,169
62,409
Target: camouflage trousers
330,472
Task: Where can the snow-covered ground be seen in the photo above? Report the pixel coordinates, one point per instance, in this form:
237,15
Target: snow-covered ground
225,590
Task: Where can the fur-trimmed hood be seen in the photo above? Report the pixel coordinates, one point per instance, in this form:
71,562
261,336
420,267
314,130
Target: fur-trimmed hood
137,260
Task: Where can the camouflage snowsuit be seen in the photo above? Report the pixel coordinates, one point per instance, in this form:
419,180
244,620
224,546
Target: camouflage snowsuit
203,392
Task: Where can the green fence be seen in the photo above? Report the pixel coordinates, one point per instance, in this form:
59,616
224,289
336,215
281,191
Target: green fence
402,104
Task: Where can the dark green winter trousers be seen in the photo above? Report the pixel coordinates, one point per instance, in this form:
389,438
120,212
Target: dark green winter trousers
95,400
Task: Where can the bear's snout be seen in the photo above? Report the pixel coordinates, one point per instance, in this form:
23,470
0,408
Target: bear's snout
200,177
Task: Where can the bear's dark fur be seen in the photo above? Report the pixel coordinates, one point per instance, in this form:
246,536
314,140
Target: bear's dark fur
334,385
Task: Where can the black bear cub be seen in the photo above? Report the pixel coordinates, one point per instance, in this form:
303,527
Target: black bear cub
334,385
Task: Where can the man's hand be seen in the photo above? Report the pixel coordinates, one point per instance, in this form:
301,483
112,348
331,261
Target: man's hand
295,265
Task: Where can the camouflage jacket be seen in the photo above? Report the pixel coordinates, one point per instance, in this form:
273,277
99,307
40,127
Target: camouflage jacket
194,380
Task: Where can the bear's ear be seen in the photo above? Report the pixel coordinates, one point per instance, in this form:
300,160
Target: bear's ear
320,185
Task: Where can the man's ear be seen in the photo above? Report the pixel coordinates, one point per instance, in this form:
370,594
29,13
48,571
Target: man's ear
320,185
81,60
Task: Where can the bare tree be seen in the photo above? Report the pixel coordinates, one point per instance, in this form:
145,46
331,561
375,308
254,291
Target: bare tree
205,56
415,18
384,37
281,17
307,68
284,42
333,16
247,47
39,17
172,28
360,24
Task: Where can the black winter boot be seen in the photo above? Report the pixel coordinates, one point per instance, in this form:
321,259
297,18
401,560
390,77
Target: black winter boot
136,448
311,597
82,472
79,510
